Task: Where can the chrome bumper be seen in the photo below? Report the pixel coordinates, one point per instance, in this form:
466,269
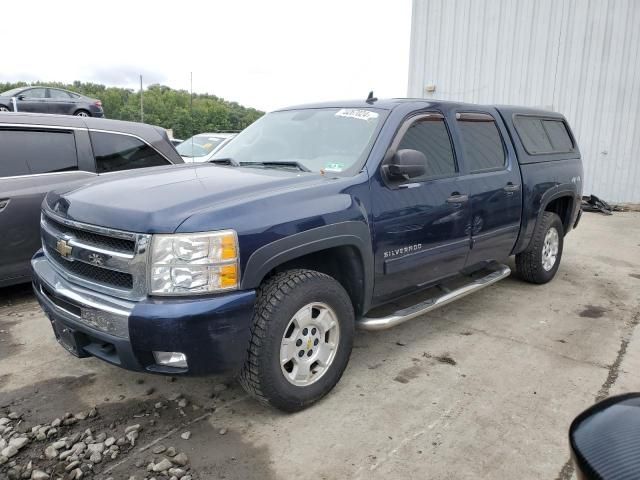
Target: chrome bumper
79,305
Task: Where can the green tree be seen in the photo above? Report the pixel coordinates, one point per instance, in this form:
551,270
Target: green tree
163,106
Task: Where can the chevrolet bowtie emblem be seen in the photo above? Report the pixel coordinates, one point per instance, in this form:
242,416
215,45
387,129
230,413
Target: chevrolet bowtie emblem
63,248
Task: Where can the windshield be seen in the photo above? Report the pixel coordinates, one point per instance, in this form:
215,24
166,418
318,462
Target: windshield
199,145
319,140
12,92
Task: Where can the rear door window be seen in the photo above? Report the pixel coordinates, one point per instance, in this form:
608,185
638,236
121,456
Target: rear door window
114,152
481,142
27,152
558,134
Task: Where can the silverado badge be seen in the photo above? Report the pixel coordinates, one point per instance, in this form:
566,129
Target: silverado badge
63,248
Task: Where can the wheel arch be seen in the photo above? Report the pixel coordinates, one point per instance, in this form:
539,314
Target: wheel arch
341,250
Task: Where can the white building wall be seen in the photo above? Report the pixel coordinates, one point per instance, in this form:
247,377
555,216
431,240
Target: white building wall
577,57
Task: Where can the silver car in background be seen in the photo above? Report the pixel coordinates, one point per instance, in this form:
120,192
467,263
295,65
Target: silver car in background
201,148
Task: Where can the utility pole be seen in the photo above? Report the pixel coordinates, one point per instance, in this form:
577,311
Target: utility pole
141,101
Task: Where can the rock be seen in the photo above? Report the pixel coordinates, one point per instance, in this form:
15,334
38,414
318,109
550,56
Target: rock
180,459
150,391
186,477
96,447
93,412
76,474
56,422
73,439
3,459
39,475
186,435
50,452
67,415
13,416
222,431
4,420
158,405
109,441
18,442
174,397
101,437
182,403
158,449
72,465
132,428
139,463
41,436
95,457
132,436
14,473
163,465
121,441
171,452
3,443
79,447
64,455
59,444
69,421
173,478
81,416
52,432
177,472
9,451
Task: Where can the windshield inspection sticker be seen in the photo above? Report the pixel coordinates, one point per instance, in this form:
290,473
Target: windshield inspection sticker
334,167
356,113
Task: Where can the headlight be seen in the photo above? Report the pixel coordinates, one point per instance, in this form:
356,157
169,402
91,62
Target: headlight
185,264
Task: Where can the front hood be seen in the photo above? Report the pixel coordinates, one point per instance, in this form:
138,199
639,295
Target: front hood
158,200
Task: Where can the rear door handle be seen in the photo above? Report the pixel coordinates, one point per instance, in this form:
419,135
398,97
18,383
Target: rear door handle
510,187
457,198
3,203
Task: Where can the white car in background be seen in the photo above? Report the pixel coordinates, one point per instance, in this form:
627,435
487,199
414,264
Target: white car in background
200,148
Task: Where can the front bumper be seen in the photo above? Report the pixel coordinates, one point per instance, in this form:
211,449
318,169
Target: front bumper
213,332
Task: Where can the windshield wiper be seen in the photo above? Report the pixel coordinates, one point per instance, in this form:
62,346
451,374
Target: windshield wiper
278,163
224,161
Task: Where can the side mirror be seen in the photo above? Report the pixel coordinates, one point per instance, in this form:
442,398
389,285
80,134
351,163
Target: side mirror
21,97
406,164
605,439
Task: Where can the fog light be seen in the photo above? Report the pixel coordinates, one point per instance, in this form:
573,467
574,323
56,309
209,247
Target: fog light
171,359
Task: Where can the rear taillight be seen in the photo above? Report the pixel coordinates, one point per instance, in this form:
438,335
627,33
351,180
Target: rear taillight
98,103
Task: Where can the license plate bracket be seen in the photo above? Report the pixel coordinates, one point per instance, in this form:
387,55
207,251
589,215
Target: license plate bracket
66,338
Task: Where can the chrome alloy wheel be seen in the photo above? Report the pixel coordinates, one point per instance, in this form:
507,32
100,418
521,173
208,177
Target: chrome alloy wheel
309,344
82,114
550,249
4,109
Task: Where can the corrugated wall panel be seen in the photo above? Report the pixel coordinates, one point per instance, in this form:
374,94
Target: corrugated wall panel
578,57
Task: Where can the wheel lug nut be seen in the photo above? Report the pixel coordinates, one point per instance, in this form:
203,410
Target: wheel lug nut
298,342
315,342
313,331
305,331
309,353
301,353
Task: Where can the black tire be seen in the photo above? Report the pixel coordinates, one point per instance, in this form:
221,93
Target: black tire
529,263
279,298
4,108
82,113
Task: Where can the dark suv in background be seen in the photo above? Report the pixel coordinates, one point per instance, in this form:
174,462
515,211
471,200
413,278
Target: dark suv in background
50,100
42,152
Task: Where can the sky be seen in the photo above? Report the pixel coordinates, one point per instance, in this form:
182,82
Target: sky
262,54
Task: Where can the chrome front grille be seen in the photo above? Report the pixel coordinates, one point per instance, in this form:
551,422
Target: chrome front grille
105,260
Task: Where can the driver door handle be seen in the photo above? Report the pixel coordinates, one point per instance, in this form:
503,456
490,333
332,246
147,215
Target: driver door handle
3,203
456,198
510,187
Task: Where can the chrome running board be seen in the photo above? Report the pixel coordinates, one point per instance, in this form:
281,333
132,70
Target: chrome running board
498,272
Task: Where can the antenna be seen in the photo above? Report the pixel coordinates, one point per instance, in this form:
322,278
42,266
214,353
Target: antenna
371,98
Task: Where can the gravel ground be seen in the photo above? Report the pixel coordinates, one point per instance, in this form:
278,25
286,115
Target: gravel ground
483,388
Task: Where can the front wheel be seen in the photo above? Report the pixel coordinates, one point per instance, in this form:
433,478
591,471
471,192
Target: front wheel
82,113
540,261
302,335
4,109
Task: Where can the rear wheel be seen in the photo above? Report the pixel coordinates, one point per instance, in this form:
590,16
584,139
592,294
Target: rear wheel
82,113
4,109
302,335
540,261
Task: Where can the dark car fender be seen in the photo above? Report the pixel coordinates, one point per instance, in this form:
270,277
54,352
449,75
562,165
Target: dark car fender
350,233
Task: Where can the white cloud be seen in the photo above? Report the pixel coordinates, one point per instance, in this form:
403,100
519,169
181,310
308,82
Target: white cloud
258,53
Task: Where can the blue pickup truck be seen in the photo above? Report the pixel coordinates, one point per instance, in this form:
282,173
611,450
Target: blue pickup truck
313,221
